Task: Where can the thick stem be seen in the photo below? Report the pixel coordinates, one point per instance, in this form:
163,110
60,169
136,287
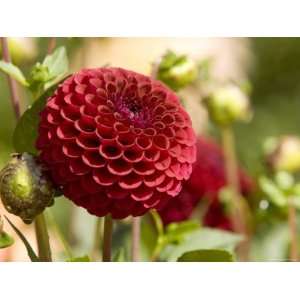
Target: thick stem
135,238
97,239
239,208
51,45
293,230
42,236
107,238
11,82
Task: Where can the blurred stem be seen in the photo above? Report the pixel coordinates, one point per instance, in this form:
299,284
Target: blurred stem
135,238
42,238
60,235
107,238
97,238
293,230
51,45
239,208
11,82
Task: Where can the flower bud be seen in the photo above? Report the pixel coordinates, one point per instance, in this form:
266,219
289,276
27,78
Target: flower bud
177,71
24,189
228,104
285,155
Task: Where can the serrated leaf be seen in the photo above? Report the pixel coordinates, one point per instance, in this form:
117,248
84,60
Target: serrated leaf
276,196
26,131
204,238
13,71
206,255
5,240
84,258
28,247
119,256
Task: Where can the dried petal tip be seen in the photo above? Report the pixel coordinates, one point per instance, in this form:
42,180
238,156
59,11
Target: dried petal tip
283,154
24,189
177,71
228,104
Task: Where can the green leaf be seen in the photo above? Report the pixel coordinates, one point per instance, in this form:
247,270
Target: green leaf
84,258
29,249
5,240
13,71
119,256
204,238
58,66
206,255
26,131
175,232
276,196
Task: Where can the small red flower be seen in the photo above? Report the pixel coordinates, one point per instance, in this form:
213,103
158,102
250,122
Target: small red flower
207,178
116,141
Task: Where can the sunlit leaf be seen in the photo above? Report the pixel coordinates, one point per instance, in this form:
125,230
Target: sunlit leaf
120,256
13,71
206,255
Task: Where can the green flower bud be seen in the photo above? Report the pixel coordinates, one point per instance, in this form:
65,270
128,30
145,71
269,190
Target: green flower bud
286,155
24,189
228,104
177,71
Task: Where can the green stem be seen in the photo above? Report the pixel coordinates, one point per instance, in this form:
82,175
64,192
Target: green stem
107,238
60,235
239,212
293,230
42,236
97,239
135,238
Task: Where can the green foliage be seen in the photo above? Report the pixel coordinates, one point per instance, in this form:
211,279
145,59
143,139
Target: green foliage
26,131
84,258
204,238
210,255
47,74
14,72
5,240
27,245
120,255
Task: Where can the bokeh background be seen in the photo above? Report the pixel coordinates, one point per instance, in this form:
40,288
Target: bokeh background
271,65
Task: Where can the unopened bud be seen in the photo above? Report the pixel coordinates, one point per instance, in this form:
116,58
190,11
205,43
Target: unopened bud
24,189
285,156
228,104
177,71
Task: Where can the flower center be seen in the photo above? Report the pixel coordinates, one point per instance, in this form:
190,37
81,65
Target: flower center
134,110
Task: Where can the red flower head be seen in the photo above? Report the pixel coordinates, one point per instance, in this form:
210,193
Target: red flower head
207,178
116,141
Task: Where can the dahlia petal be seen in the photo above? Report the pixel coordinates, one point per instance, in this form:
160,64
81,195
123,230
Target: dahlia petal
66,131
71,150
116,192
133,154
78,167
104,177
154,179
143,168
88,141
161,142
131,181
110,150
142,193
70,113
93,159
120,167
143,142
85,124
165,185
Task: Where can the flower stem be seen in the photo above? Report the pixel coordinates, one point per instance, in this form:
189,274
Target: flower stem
97,238
293,230
51,45
107,238
135,238
42,236
239,208
11,82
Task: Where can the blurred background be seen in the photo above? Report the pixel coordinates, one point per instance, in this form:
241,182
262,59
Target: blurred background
271,65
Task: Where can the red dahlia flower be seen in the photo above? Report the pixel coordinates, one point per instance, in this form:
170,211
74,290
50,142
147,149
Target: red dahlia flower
116,141
207,178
